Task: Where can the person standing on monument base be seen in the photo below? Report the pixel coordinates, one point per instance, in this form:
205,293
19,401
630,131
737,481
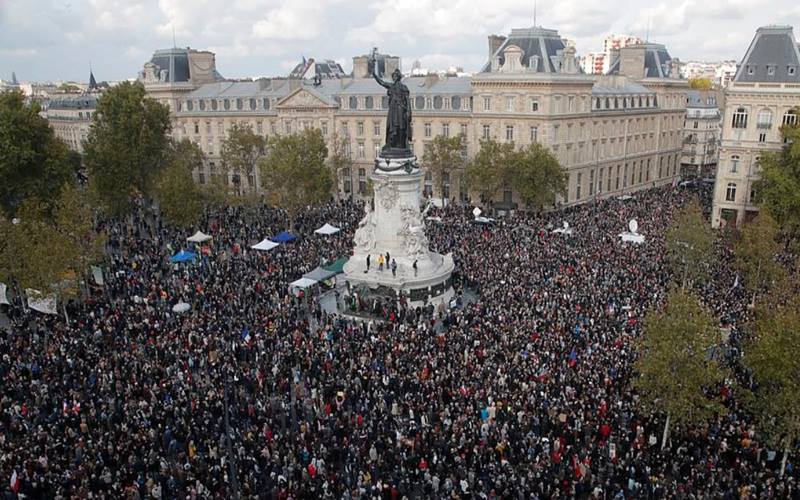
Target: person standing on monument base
380,262
368,257
394,268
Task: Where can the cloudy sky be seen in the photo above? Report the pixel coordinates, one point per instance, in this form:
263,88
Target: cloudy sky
56,39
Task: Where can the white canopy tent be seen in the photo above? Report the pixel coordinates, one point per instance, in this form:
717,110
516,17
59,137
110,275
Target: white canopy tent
327,230
41,303
3,296
303,283
199,237
264,245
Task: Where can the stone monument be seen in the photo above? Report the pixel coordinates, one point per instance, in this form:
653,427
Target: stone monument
392,225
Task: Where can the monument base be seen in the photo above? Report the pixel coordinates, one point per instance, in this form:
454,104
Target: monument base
393,225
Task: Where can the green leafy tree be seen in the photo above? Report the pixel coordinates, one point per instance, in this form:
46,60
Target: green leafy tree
779,185
689,244
295,173
700,84
537,176
443,156
240,152
491,169
773,357
675,372
180,198
33,162
755,253
127,145
340,161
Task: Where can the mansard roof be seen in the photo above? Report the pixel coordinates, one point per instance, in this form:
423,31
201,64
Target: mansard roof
773,56
657,61
536,41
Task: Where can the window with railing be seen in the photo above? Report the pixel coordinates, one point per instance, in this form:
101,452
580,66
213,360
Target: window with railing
730,192
790,117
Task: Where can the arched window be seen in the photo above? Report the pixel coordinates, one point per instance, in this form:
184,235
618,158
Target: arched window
265,103
239,104
740,118
252,104
730,193
384,102
353,102
764,119
369,102
608,103
616,103
189,105
455,102
213,105
790,117
419,102
597,103
640,101
202,105
734,164
226,104
437,102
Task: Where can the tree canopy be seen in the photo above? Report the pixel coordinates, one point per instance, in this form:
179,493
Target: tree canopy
443,156
689,243
779,185
33,162
339,161
127,145
490,169
773,356
676,374
532,172
294,172
537,176
700,84
180,198
755,253
240,152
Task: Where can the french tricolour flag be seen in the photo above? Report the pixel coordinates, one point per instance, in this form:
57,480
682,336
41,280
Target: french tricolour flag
246,335
14,483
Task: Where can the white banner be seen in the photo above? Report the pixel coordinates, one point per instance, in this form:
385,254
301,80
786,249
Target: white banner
38,302
3,296
97,274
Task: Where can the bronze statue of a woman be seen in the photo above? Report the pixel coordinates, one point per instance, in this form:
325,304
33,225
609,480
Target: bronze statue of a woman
398,121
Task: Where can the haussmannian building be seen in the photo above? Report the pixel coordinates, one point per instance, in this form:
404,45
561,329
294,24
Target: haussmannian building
614,134
763,96
701,133
71,115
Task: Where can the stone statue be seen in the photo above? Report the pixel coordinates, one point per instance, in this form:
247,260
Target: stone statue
386,192
398,121
413,232
365,234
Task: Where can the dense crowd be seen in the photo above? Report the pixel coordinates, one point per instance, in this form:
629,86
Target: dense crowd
523,392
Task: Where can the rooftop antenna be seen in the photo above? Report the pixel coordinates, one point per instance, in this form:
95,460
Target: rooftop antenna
647,36
534,13
174,45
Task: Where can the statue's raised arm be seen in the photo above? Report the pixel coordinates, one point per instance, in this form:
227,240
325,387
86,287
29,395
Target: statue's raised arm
374,61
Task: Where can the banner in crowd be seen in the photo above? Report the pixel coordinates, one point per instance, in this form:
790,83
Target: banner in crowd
3,296
43,304
97,274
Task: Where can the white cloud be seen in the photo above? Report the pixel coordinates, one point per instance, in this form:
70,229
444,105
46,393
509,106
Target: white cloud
291,21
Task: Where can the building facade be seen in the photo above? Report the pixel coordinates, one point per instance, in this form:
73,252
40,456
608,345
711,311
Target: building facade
70,115
763,96
613,134
701,133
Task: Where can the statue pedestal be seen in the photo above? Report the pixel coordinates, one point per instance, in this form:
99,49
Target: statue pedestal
395,226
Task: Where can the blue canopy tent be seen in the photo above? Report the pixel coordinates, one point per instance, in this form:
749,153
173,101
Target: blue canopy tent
182,256
284,237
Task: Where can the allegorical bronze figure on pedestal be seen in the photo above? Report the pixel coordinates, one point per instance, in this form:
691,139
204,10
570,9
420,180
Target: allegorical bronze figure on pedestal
398,120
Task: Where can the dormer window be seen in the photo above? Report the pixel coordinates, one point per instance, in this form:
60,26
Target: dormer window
770,70
534,63
751,70
790,70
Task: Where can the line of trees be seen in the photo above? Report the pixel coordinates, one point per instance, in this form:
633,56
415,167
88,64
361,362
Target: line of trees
682,364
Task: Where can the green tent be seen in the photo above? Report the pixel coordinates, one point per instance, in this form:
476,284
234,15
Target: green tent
337,266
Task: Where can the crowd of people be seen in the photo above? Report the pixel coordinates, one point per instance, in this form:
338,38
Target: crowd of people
523,392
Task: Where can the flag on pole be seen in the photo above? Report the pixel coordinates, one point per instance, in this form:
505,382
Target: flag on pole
246,335
573,357
14,483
